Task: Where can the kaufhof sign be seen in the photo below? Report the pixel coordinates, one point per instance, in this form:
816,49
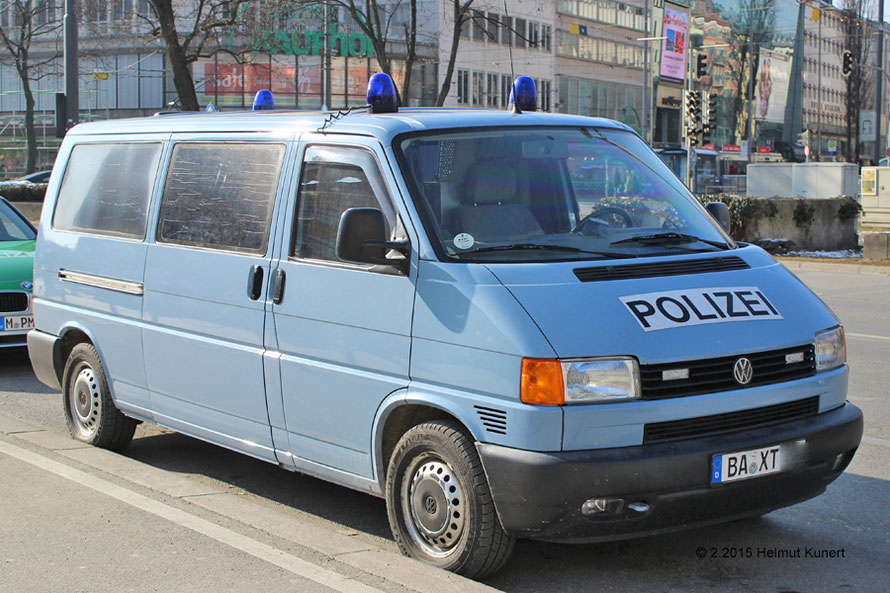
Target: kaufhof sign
311,43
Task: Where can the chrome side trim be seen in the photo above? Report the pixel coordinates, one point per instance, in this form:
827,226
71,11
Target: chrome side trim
126,286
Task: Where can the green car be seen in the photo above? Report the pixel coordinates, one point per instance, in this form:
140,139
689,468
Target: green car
17,238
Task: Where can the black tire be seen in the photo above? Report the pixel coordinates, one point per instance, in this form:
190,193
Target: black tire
439,504
89,410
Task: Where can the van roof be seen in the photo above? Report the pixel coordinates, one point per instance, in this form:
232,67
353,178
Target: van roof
383,126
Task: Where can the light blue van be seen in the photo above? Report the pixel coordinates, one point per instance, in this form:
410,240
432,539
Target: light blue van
509,324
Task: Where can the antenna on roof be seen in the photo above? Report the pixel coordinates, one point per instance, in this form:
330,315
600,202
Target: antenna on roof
516,108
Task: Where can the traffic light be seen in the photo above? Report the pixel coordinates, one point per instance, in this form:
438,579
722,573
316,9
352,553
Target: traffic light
710,114
701,65
693,109
804,138
848,63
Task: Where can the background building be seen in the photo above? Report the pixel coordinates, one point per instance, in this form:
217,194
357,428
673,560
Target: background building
626,60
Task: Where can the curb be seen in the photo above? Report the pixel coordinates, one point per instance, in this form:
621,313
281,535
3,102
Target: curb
299,528
877,270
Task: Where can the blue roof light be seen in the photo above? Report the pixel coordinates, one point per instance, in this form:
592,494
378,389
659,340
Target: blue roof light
526,94
263,101
382,94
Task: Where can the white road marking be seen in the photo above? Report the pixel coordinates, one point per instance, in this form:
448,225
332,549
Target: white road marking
868,336
279,558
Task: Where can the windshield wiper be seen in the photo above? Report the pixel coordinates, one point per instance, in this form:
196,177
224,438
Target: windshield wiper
536,246
671,237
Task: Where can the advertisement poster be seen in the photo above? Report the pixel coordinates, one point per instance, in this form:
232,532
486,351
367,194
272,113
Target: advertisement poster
673,48
869,182
772,85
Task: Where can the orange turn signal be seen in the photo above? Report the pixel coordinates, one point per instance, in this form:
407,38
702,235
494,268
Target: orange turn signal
542,382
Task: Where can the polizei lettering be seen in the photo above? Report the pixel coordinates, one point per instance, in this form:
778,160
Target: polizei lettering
677,308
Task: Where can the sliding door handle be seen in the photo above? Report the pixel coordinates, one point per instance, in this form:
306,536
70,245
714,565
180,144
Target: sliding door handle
278,277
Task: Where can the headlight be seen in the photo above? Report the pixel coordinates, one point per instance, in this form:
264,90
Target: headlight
601,379
831,348
553,382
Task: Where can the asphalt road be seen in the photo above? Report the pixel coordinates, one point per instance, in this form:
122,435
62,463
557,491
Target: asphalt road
178,514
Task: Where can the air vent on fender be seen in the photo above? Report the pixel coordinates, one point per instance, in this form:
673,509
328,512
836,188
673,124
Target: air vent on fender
658,269
494,420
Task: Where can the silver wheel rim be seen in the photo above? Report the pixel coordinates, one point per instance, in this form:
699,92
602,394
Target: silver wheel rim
85,401
433,504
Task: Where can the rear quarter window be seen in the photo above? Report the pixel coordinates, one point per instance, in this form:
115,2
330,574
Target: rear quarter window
221,195
106,189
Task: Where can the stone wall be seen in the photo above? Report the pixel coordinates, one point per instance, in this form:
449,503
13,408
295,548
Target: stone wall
820,224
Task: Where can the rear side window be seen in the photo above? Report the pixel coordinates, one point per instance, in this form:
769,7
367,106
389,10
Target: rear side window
221,195
106,189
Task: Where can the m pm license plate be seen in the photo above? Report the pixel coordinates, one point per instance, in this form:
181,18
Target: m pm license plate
12,323
742,465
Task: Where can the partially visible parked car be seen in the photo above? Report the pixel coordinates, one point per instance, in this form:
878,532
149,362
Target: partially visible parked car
38,177
17,238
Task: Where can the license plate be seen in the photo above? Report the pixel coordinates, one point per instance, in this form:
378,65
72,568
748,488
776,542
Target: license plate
742,465
12,323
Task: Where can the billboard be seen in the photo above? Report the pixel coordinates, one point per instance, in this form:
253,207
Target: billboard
673,47
773,75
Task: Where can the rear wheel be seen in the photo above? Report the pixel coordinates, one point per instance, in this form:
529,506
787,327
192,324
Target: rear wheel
439,504
89,410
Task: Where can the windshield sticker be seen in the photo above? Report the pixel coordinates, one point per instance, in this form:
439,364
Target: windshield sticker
464,241
680,308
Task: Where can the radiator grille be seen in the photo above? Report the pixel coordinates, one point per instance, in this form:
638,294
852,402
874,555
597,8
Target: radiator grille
716,374
660,269
13,302
729,422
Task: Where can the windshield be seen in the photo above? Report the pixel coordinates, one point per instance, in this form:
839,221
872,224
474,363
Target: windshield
544,194
13,227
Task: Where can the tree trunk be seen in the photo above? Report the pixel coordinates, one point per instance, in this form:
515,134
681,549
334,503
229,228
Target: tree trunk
455,42
182,75
30,132
411,47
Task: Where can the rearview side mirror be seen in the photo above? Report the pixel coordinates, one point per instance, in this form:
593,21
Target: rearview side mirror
720,212
361,238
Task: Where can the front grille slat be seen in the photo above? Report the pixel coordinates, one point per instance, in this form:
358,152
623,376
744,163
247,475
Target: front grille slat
661,269
730,421
716,374
13,302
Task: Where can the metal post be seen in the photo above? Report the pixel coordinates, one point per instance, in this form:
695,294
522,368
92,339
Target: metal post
326,59
690,151
879,83
646,102
72,81
819,98
750,81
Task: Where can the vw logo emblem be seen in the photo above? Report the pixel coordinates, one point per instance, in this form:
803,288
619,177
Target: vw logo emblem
430,505
743,371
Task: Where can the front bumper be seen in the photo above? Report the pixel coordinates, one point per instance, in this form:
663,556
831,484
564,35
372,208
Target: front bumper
540,495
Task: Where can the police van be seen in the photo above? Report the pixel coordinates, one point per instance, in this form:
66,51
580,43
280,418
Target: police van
508,324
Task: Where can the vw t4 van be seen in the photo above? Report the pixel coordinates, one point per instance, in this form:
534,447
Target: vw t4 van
509,324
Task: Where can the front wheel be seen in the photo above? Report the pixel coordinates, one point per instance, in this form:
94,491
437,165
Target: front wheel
439,504
89,409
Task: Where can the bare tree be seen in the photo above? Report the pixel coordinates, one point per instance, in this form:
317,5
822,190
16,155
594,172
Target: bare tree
856,40
377,20
190,34
23,23
752,29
